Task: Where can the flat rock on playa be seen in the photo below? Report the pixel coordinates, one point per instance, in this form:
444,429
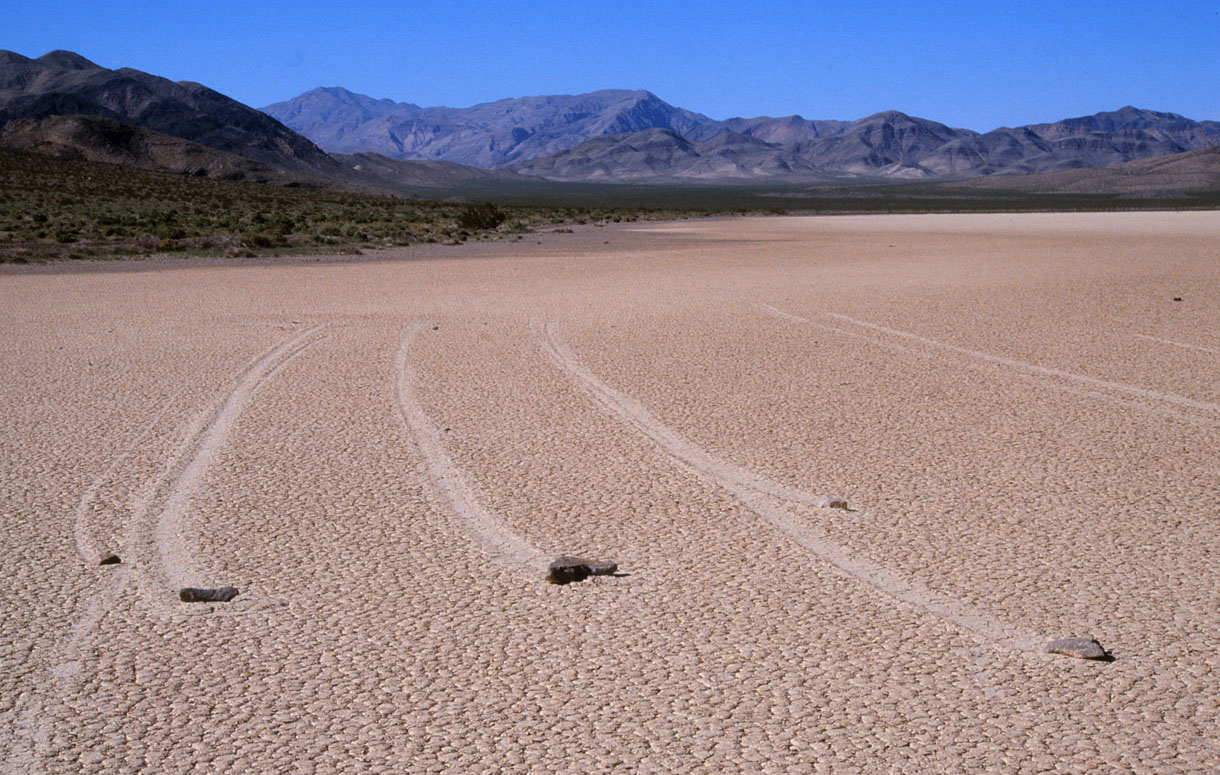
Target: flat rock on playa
565,570
1028,428
1080,648
198,595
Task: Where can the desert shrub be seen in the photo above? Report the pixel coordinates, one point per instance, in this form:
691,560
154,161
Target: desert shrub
262,239
480,216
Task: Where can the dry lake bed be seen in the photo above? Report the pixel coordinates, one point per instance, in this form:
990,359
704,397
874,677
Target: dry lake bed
1022,413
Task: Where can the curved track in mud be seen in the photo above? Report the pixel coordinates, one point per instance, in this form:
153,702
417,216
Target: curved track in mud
162,554
761,496
447,484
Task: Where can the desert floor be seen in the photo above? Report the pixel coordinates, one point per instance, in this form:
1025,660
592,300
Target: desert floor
383,455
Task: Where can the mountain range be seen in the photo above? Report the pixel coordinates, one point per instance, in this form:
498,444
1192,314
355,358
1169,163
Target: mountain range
636,136
63,104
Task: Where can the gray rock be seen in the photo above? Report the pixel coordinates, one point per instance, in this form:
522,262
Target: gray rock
196,595
602,568
1080,648
827,502
565,570
106,558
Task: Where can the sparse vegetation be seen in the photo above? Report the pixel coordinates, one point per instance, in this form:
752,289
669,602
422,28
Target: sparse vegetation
52,208
481,216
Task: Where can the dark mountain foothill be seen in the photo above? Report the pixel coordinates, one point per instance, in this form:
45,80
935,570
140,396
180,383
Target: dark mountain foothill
63,83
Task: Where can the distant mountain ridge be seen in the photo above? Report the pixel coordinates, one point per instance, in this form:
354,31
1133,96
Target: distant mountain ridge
892,145
493,134
592,137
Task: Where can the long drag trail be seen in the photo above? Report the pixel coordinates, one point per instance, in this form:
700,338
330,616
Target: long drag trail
169,561
173,555
760,495
1053,379
1180,345
84,549
1030,368
447,484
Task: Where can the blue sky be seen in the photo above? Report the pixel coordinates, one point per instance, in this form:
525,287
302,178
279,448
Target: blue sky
970,64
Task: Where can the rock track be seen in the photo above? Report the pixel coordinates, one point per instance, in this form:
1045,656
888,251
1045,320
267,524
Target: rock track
1144,400
1030,368
82,534
167,563
448,484
760,496
1181,345
170,558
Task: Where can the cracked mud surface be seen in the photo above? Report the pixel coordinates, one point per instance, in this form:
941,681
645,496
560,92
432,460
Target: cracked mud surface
383,456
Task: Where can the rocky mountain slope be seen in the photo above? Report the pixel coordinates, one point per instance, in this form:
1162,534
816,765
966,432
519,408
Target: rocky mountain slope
62,82
1100,140
409,173
96,138
657,155
890,145
500,133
